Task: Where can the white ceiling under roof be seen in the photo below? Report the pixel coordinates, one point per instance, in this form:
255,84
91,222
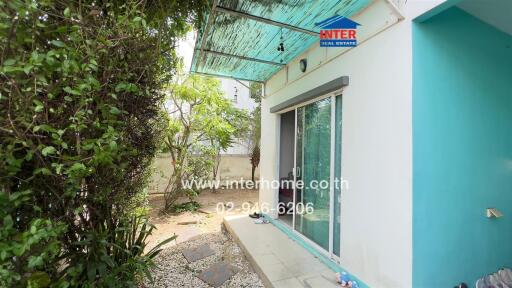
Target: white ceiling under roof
497,13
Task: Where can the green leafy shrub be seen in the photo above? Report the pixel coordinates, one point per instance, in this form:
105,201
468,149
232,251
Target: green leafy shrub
186,206
81,89
117,254
31,248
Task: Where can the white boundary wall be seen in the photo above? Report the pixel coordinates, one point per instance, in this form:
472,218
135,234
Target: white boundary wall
231,168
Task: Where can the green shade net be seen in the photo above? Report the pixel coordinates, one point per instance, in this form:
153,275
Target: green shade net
313,160
236,35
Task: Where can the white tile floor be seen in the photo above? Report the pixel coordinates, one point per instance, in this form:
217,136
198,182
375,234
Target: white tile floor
278,259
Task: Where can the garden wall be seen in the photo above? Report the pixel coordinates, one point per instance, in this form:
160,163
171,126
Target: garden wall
232,167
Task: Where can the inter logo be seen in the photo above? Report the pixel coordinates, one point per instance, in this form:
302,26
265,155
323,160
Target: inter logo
338,31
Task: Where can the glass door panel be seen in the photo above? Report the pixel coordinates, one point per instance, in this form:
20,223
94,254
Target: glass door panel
337,177
313,161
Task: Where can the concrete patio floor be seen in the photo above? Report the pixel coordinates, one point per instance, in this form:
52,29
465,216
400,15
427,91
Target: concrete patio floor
279,260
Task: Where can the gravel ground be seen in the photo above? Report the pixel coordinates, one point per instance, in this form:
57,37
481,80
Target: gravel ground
209,222
173,270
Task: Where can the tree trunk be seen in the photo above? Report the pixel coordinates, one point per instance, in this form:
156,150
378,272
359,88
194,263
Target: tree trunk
174,187
216,164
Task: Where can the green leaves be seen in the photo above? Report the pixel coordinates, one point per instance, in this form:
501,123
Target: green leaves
8,222
38,243
72,91
17,198
28,68
39,106
77,168
120,87
42,171
67,12
38,279
9,62
58,43
8,66
126,87
114,110
48,150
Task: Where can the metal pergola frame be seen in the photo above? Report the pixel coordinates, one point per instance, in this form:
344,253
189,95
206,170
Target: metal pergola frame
265,20
201,52
215,8
228,77
241,57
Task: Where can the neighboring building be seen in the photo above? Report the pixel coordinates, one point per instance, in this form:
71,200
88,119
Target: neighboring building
417,117
238,93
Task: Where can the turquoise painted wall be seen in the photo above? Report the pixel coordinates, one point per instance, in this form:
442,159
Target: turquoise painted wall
462,135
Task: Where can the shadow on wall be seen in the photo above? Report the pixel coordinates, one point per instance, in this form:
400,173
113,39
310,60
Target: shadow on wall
232,167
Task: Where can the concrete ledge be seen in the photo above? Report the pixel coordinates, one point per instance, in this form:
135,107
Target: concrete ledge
279,260
248,255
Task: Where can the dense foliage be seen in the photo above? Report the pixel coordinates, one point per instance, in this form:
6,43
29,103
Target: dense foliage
202,122
80,100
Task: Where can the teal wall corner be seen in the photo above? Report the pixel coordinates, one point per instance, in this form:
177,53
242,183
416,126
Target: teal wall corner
447,4
462,149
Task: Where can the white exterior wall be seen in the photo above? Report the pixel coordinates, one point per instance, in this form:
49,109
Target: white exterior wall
376,213
269,157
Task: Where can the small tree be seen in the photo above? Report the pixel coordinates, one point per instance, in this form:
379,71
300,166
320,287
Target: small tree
255,159
255,90
201,123
216,157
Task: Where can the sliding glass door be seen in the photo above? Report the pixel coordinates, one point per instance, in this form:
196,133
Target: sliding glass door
317,164
313,168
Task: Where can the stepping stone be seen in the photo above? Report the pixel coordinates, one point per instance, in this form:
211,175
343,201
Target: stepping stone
186,233
218,273
197,253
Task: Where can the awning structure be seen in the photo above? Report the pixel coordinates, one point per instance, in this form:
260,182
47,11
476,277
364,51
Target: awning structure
240,38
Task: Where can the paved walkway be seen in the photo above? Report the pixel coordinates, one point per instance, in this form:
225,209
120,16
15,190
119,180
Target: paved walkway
279,261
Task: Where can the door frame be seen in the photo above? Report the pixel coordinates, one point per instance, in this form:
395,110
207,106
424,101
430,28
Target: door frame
329,252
